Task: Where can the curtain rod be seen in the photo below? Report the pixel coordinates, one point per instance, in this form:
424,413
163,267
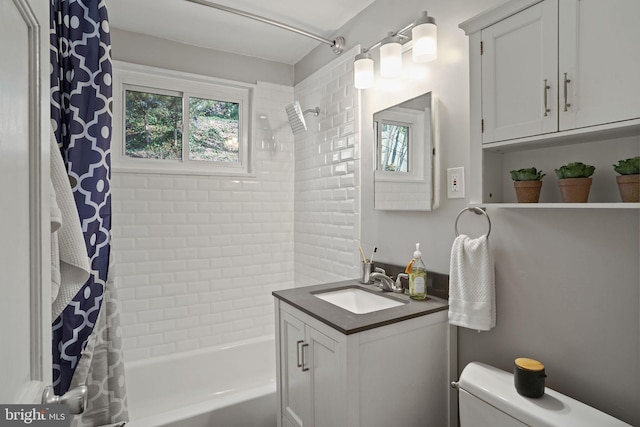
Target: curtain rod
337,45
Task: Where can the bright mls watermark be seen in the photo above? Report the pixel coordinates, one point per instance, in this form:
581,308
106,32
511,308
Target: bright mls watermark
35,415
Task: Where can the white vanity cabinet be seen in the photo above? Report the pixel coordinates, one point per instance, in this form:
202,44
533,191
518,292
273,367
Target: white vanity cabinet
551,73
309,362
560,65
396,374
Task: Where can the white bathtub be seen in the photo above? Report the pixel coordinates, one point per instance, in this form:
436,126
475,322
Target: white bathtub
225,386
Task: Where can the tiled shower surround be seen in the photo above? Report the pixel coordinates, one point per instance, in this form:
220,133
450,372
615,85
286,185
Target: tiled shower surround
327,177
197,257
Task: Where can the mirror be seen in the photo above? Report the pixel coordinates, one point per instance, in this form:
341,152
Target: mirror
407,153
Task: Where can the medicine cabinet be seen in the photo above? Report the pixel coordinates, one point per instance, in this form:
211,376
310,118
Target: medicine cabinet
406,139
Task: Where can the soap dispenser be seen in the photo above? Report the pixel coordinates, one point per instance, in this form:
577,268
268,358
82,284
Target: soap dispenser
417,276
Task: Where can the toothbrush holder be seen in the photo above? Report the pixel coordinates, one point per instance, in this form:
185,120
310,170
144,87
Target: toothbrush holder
366,269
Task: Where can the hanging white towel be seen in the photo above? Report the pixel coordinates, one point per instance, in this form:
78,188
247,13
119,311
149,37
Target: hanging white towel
69,260
472,296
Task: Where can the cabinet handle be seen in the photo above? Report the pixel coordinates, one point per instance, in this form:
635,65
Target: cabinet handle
304,368
298,358
566,84
546,95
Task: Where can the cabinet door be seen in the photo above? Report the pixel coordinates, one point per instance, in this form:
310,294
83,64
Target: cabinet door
599,54
519,74
295,384
325,380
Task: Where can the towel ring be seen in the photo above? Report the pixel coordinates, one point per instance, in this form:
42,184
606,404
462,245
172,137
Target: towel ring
475,210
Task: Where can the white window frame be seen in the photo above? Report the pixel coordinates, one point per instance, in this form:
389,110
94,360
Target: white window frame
416,145
141,77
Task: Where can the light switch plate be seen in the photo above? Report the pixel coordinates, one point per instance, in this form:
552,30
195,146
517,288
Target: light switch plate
455,183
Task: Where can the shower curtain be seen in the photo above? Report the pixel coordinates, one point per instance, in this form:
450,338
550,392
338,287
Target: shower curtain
86,343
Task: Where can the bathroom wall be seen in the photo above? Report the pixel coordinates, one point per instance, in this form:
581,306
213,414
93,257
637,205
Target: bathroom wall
395,234
327,176
567,280
143,49
196,256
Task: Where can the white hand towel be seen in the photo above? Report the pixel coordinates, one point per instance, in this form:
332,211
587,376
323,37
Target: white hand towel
70,267
472,296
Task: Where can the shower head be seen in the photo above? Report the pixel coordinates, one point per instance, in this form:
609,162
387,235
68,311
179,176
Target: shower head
296,116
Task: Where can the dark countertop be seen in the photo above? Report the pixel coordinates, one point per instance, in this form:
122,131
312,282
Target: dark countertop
350,323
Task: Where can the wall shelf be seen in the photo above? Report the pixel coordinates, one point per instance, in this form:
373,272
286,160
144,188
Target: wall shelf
576,136
619,205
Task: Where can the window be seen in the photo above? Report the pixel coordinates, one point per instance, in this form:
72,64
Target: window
394,146
401,139
213,130
153,125
173,122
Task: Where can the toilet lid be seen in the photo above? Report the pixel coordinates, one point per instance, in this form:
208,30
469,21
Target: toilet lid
529,364
495,387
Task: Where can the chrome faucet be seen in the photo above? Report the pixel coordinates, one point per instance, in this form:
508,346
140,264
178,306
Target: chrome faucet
399,282
380,279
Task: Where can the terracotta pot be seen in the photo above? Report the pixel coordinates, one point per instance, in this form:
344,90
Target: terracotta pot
629,186
575,190
527,191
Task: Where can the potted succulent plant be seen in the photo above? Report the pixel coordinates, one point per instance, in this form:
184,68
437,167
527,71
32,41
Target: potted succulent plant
629,179
527,183
575,181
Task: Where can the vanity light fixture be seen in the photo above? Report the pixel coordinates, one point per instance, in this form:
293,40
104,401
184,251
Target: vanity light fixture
423,35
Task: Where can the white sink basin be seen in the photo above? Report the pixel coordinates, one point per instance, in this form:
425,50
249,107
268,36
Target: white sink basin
358,301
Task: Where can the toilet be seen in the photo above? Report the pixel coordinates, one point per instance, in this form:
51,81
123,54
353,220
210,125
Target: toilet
488,398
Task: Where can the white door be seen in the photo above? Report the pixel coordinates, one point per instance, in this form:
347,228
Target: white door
519,72
599,54
25,306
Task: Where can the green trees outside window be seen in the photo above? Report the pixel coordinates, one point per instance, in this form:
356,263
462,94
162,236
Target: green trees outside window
213,130
154,127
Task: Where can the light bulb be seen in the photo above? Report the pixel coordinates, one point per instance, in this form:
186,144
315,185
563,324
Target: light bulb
425,39
363,71
391,57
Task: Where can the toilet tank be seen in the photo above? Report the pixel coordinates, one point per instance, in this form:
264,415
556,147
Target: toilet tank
488,398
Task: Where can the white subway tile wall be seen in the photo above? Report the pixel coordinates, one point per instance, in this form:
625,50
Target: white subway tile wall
327,177
401,196
197,257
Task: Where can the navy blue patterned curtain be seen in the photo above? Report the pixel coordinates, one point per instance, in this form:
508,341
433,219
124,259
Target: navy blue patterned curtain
81,116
